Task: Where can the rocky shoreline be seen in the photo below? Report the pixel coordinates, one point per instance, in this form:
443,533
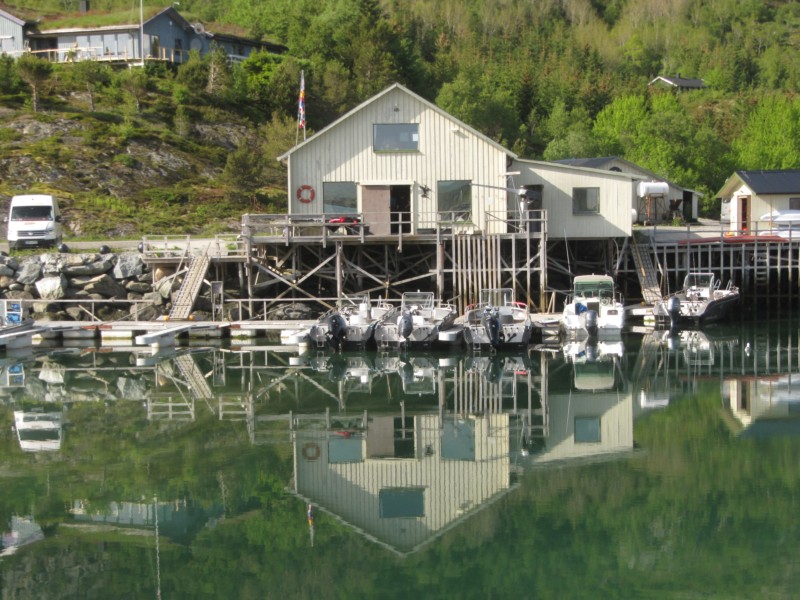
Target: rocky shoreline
108,287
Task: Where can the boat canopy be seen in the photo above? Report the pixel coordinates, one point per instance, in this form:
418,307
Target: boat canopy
593,286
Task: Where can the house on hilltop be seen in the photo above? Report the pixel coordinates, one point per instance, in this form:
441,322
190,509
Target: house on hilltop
678,83
165,36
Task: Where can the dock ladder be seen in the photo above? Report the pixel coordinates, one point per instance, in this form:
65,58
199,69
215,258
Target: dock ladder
193,376
190,288
646,272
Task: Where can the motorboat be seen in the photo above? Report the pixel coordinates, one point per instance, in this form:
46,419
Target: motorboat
595,362
701,300
594,308
348,326
781,223
417,322
38,431
497,321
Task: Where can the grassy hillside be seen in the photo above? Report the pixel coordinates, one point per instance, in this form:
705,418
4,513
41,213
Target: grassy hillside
120,171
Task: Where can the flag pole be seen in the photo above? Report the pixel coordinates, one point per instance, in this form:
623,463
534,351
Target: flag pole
301,109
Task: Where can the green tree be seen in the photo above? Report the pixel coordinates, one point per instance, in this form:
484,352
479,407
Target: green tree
617,126
770,138
90,74
36,73
134,82
244,171
219,73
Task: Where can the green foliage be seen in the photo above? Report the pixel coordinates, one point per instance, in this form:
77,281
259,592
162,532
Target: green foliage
9,135
771,136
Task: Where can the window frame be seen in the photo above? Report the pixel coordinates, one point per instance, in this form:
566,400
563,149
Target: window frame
387,138
580,206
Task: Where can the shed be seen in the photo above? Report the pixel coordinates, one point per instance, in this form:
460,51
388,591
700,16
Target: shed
751,194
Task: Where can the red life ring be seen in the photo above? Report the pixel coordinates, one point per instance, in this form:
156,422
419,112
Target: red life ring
306,194
311,451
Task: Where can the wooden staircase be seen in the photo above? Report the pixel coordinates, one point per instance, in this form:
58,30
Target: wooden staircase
190,288
647,273
193,377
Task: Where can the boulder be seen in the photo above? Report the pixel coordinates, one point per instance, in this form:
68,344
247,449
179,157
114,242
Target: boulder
129,264
107,286
138,287
28,272
52,288
98,267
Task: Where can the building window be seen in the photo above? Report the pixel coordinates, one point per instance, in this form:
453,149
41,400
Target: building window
339,197
401,503
393,137
587,430
794,203
155,46
585,201
454,200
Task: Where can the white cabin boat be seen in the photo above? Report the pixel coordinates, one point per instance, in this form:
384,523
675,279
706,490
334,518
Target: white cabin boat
38,431
594,308
497,321
416,323
701,300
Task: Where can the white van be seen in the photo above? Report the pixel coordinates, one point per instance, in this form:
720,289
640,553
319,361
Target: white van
34,221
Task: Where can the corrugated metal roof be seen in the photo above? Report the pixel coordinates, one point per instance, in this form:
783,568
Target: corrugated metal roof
679,82
783,181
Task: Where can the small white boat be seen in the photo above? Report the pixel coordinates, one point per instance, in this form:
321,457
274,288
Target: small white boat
350,325
416,323
701,300
782,223
38,431
594,308
497,321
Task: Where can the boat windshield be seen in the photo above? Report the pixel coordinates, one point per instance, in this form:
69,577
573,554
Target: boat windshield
594,289
698,280
498,297
418,299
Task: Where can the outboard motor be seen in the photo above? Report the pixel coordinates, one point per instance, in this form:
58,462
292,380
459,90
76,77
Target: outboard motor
674,311
591,322
494,372
405,324
337,330
406,372
591,352
338,368
491,325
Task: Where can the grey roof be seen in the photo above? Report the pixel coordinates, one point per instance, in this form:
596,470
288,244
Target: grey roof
592,163
12,18
778,181
679,82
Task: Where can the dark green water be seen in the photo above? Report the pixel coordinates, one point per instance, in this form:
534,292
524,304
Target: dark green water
651,468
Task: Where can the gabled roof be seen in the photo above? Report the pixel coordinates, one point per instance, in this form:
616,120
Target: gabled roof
683,83
778,181
566,165
602,162
12,18
380,95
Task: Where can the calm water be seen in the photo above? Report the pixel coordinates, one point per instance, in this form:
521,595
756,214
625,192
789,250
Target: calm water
654,467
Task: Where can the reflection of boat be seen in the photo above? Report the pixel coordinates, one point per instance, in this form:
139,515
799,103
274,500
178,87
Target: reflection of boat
700,301
348,326
594,362
497,321
418,375
417,322
38,431
594,308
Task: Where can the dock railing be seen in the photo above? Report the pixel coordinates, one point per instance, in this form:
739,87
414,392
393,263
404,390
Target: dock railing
154,247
